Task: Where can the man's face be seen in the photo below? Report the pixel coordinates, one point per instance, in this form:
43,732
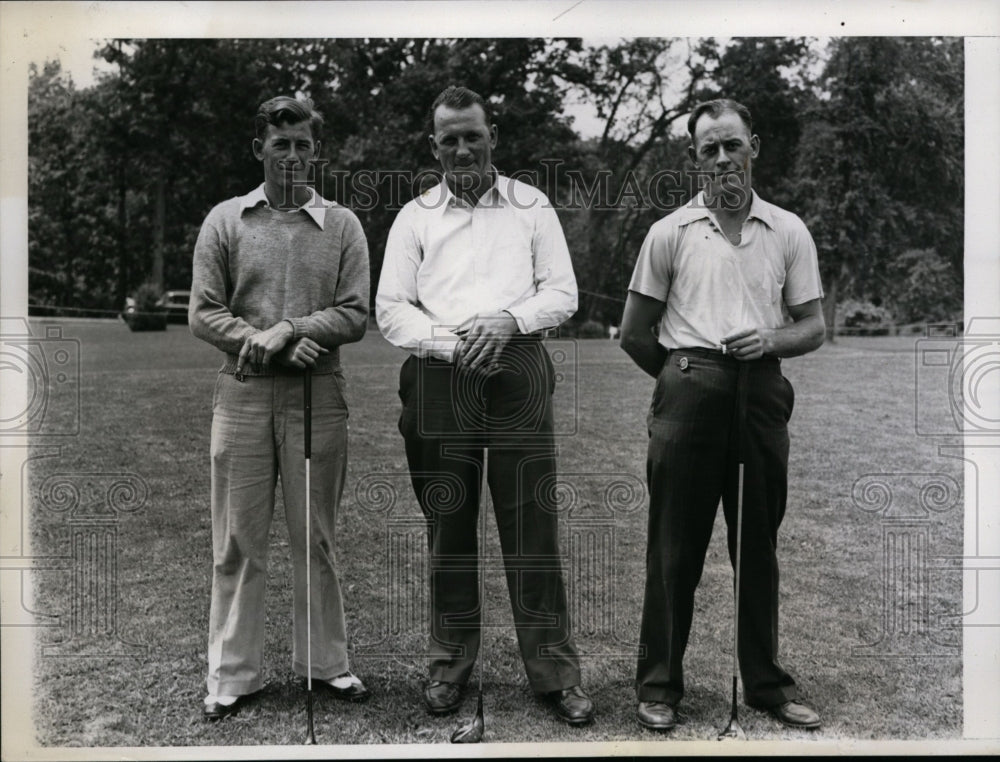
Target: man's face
463,142
724,148
286,151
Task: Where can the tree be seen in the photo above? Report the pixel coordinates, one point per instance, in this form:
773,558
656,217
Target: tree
641,88
71,217
879,165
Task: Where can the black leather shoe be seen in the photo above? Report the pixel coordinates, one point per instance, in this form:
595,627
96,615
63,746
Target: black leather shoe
656,715
442,697
217,711
354,691
572,705
795,714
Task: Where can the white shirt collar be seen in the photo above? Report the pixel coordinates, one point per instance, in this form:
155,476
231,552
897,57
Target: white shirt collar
500,185
696,209
315,207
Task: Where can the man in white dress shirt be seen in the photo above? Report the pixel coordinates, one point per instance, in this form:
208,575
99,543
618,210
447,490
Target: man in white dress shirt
475,268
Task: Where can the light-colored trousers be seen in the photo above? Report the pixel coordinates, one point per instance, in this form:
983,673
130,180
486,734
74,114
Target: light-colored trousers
257,436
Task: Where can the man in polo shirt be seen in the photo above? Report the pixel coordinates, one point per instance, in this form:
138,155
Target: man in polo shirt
727,280
474,268
280,281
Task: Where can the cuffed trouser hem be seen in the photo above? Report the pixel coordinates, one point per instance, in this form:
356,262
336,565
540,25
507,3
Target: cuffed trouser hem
238,688
320,673
771,698
563,680
670,698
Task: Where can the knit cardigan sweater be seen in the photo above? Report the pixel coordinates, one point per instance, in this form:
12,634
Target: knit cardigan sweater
256,266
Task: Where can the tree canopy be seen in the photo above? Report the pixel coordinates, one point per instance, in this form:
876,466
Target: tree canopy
862,137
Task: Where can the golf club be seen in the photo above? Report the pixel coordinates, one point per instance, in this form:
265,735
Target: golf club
307,426
734,729
472,732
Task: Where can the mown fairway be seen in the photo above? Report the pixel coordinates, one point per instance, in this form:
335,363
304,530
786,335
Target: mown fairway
146,407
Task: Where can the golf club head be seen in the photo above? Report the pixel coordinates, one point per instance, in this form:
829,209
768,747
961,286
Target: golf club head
733,731
473,732
311,734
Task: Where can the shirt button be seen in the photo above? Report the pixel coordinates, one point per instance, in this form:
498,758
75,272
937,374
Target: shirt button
682,363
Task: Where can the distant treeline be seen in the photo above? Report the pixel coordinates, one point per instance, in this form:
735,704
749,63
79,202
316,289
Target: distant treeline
861,137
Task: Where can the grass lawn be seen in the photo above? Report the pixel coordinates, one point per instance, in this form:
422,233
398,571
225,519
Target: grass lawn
146,408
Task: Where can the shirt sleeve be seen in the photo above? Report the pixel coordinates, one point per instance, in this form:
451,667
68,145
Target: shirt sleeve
209,316
346,319
651,276
802,279
555,297
397,307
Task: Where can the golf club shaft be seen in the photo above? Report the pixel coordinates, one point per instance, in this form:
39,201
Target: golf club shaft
736,595
307,430
480,546
741,402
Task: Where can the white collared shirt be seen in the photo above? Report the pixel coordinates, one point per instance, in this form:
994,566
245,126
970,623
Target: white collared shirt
713,287
315,207
446,262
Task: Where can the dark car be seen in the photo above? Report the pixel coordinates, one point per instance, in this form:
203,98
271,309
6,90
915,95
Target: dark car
176,304
171,307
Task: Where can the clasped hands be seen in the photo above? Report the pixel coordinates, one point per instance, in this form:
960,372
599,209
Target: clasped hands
482,339
276,343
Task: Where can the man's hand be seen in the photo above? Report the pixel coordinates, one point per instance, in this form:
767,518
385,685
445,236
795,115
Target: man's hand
483,338
259,348
748,343
804,334
301,353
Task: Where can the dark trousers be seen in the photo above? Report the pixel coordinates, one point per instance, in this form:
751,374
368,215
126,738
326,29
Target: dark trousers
692,461
449,418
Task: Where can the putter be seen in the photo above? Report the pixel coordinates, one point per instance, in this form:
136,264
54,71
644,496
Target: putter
734,729
472,732
307,417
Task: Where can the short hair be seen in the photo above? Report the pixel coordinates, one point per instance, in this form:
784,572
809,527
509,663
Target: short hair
287,110
456,97
716,108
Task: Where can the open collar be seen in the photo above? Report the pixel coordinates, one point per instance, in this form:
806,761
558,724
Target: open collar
696,209
315,207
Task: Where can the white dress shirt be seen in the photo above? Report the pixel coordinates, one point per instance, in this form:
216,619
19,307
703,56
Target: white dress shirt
446,261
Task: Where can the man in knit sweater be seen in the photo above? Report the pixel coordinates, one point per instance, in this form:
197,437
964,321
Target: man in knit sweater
280,281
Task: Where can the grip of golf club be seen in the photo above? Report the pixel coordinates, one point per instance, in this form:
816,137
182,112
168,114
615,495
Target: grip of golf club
307,409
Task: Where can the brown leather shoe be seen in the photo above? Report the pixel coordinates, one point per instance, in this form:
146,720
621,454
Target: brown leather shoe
442,697
795,714
572,705
656,715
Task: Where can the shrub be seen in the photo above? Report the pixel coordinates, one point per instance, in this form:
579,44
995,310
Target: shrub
927,287
592,329
863,318
150,314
